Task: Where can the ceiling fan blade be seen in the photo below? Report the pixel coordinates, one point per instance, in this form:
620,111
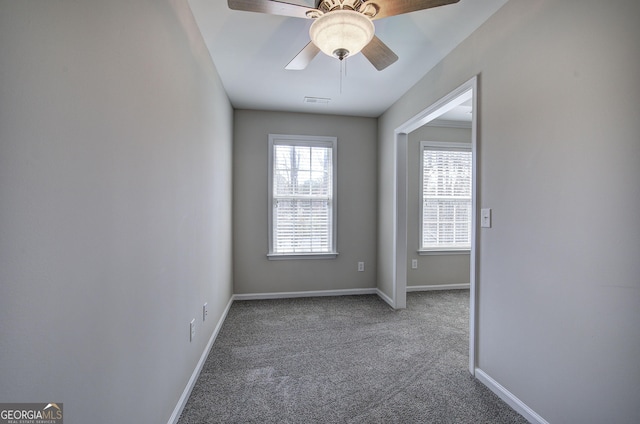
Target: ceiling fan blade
398,7
271,7
303,58
379,54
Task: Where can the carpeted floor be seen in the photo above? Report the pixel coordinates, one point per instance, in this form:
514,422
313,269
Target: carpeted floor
348,359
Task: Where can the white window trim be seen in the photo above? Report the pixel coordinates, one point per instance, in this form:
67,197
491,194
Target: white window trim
436,252
304,140
437,145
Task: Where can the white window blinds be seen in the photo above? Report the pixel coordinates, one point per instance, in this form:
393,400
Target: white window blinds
446,198
302,196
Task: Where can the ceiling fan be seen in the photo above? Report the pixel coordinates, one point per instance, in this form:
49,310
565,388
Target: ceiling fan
341,28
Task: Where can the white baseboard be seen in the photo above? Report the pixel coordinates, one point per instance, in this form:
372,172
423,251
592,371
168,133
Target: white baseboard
509,398
439,287
196,372
315,293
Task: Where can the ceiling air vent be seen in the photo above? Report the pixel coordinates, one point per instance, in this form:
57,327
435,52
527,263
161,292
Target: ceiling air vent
317,100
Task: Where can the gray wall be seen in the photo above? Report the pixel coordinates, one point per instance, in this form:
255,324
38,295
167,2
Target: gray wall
432,269
559,163
115,193
357,196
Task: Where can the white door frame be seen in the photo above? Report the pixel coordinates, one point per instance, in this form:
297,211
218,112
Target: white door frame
468,90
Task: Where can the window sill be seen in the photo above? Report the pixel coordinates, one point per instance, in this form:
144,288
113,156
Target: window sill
444,252
288,256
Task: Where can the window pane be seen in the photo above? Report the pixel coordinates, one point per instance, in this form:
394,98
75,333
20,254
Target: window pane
302,211
302,171
302,226
446,194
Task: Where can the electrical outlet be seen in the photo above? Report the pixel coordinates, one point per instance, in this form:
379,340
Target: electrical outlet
360,266
192,330
205,311
414,263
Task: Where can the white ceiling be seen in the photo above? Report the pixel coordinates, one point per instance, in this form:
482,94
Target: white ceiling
460,116
250,51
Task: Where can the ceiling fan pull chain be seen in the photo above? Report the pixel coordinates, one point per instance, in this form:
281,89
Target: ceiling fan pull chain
341,67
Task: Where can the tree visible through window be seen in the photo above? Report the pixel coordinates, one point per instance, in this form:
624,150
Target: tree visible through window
446,196
302,181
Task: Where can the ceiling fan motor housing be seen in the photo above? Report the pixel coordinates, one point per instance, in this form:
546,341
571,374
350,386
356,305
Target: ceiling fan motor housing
328,5
365,7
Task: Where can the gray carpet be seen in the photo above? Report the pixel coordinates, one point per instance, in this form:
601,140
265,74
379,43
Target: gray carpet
345,359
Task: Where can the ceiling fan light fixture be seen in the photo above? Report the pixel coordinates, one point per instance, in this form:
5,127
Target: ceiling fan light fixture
341,33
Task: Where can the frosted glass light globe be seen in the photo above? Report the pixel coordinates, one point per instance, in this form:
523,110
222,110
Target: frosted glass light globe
341,33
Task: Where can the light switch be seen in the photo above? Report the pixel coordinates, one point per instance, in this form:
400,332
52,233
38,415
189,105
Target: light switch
485,218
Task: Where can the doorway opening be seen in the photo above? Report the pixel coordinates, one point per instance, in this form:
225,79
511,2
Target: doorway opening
466,94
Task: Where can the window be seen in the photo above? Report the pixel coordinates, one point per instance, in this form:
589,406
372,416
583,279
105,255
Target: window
302,210
446,197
